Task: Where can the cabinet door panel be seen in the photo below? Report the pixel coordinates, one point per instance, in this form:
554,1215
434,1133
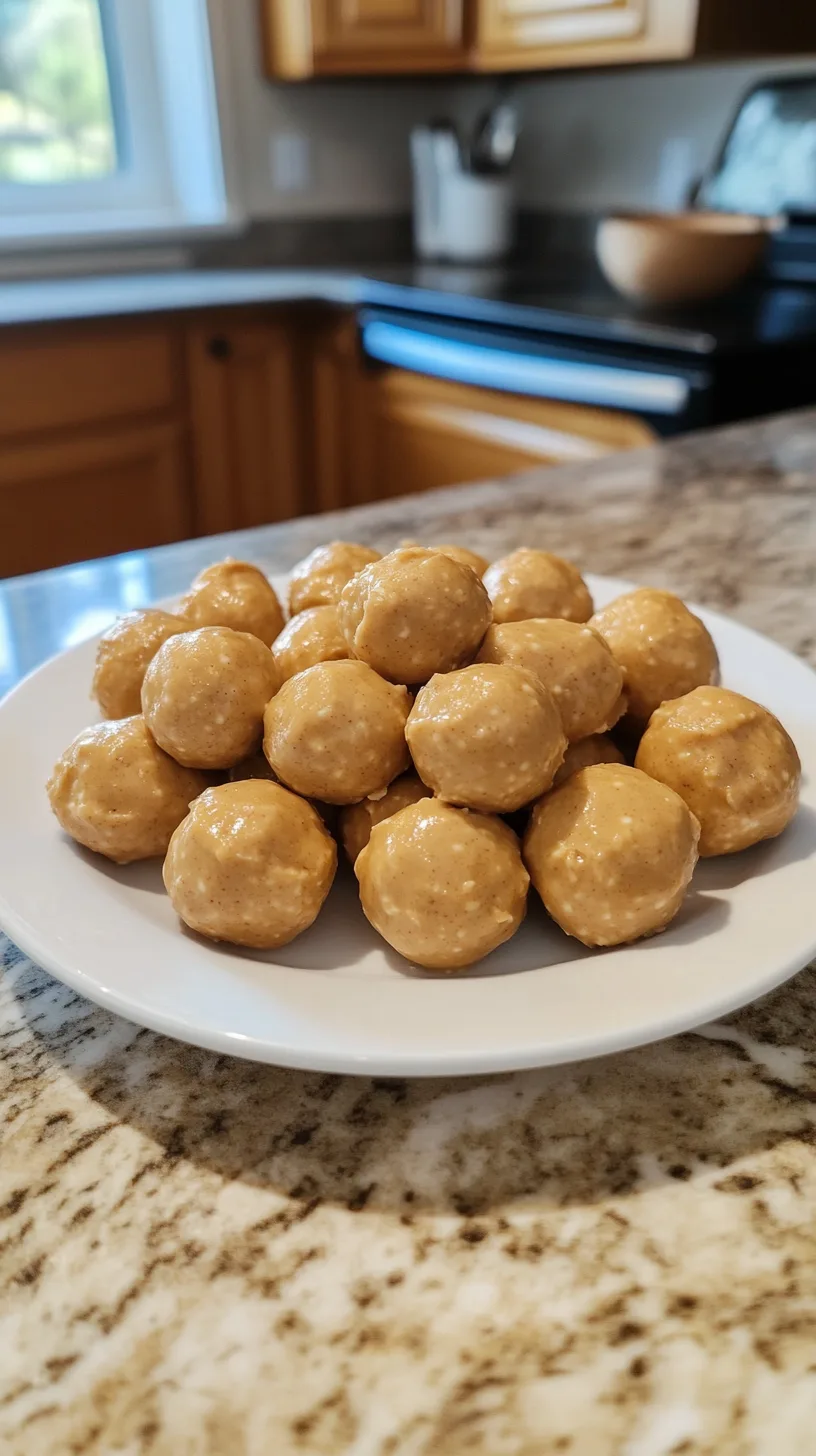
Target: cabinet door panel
245,407
524,33
425,432
448,439
67,376
552,22
92,495
385,34
376,24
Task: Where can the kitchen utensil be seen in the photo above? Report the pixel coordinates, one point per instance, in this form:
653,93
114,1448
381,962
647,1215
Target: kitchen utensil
337,999
679,257
494,140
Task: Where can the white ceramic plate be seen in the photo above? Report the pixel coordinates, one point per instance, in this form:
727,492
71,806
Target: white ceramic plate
338,999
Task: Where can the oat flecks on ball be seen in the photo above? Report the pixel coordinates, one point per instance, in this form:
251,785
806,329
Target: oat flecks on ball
251,864
337,732
573,663
443,886
358,820
530,583
611,854
730,760
123,656
663,648
312,636
115,792
234,594
414,613
486,737
599,748
318,580
204,696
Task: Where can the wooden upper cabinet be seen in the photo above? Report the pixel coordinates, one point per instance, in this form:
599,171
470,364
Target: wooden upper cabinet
354,37
521,33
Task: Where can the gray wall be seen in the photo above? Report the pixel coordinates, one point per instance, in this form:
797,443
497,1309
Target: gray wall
591,139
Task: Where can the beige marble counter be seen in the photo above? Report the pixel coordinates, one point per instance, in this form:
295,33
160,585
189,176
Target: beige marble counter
200,1255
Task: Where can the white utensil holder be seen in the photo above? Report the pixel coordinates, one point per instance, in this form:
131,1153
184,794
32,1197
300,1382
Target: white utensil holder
474,220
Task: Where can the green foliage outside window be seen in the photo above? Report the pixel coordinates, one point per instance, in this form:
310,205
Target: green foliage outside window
56,117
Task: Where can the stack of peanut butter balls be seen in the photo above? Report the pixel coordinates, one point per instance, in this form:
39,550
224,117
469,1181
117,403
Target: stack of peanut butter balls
462,729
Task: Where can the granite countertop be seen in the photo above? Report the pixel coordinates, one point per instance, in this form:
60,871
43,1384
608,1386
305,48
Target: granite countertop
201,1255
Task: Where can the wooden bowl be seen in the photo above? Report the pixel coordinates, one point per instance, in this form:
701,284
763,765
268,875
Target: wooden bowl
678,257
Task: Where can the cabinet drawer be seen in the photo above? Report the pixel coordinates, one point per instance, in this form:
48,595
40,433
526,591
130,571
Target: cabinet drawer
59,378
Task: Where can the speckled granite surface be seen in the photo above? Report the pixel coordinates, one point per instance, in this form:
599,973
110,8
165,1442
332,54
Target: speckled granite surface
204,1256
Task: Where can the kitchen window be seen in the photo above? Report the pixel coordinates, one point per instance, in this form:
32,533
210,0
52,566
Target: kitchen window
109,119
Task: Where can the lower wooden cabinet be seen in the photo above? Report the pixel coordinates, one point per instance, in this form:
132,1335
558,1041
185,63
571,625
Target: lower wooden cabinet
384,432
93,494
94,449
129,434
122,434
305,38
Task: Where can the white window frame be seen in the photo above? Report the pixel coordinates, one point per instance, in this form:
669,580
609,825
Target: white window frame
169,73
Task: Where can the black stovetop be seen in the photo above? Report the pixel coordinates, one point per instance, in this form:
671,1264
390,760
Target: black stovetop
761,315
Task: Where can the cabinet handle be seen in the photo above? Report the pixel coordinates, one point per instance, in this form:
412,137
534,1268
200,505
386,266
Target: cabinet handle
219,347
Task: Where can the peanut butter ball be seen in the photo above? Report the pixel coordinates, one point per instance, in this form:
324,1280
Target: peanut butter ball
252,864
487,737
124,655
730,760
664,650
257,767
204,695
234,594
414,613
318,580
611,854
358,820
465,557
573,663
312,636
117,793
598,748
531,583
337,732
443,886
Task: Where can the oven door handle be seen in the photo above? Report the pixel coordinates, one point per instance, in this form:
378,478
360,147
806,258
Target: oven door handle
645,391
